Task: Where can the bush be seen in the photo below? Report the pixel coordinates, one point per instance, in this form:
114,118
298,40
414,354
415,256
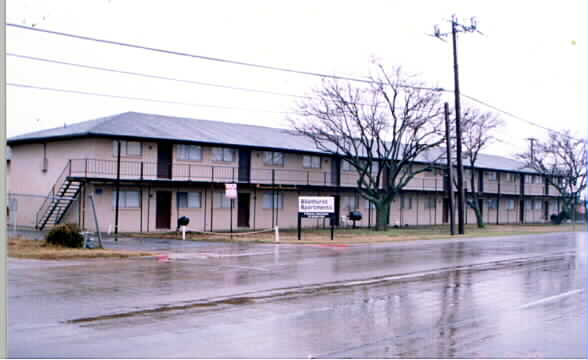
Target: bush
67,235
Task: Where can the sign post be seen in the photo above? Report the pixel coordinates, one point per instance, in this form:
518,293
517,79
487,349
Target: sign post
231,193
316,207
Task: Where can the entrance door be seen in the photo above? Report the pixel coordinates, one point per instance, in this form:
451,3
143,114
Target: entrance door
546,210
244,166
163,210
164,160
243,209
445,211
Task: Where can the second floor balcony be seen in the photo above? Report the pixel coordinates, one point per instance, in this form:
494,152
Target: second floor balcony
157,171
214,173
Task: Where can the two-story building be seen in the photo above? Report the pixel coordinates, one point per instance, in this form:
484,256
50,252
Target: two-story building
171,167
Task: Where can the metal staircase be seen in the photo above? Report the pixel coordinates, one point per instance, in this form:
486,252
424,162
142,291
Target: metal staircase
59,199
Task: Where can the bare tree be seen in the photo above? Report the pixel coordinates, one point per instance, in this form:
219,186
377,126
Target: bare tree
477,133
562,159
380,128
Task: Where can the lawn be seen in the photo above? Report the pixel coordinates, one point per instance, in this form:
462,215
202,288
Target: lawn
358,236
38,249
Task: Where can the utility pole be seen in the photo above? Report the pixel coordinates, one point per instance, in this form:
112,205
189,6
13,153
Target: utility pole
456,27
116,210
532,147
449,173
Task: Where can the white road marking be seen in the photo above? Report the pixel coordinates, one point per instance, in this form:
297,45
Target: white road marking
552,298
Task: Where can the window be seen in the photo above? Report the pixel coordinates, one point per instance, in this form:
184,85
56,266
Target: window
346,166
406,202
221,201
369,205
528,204
511,177
127,148
188,200
430,203
434,172
278,202
128,199
491,175
349,203
312,162
538,204
273,158
188,152
223,154
510,204
492,204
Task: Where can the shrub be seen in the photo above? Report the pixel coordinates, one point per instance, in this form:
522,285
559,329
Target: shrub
67,235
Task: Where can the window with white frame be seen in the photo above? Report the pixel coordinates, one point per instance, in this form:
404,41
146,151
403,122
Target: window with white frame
430,203
127,199
538,204
369,205
492,204
349,203
127,148
278,200
311,162
223,154
406,202
491,175
188,152
188,200
273,158
221,201
510,204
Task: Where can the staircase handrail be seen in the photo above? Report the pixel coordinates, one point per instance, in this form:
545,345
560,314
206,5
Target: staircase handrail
49,199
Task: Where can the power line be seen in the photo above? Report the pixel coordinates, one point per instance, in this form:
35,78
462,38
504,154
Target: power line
79,92
234,62
159,77
210,58
515,116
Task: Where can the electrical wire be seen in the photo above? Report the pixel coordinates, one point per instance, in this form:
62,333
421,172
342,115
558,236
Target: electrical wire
159,77
79,92
266,67
210,58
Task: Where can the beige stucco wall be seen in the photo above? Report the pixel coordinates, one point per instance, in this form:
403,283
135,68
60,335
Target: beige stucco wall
25,174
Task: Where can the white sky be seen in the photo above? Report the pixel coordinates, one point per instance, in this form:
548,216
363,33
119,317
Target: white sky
531,60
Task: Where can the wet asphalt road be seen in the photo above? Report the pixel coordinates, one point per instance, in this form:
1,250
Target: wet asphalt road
523,296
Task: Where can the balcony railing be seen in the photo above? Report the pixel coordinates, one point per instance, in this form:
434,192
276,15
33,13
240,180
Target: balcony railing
145,170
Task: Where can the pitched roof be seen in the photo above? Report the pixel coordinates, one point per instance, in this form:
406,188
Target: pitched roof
160,127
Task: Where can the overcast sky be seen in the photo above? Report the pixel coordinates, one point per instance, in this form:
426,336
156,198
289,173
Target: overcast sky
530,60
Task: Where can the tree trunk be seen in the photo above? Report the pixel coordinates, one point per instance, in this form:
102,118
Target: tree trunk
474,204
382,215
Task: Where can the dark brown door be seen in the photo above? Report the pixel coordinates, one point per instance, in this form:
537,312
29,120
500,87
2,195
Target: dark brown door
546,210
445,211
163,210
243,210
244,166
164,160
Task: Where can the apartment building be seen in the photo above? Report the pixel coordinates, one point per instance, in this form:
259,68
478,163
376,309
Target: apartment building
171,167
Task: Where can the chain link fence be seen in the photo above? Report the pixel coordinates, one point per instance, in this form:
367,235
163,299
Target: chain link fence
23,211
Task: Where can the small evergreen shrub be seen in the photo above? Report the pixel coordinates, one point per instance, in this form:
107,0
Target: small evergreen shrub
67,235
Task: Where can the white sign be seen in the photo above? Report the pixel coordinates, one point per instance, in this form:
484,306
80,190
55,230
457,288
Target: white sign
231,191
316,204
